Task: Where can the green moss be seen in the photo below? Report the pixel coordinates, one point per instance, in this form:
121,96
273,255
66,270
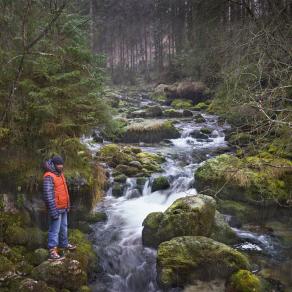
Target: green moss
84,252
37,238
172,113
199,119
240,139
206,131
16,235
38,256
182,104
159,97
122,160
160,183
184,259
193,215
200,106
254,179
65,274
242,211
117,190
6,268
84,289
96,217
222,232
245,281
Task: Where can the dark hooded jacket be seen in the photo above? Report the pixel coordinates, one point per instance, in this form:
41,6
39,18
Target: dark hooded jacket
48,190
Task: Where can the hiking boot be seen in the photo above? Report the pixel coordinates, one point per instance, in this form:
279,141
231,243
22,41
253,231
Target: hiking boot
71,246
53,255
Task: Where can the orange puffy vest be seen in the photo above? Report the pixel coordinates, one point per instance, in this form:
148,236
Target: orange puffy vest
61,190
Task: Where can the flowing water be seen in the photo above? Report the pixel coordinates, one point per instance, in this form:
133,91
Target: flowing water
126,265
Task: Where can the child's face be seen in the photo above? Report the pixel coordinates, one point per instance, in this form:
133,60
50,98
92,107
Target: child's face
59,167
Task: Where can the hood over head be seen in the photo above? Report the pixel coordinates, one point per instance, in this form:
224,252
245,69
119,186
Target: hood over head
48,165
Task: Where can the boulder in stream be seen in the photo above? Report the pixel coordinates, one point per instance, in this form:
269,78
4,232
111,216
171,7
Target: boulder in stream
185,259
160,183
150,132
192,215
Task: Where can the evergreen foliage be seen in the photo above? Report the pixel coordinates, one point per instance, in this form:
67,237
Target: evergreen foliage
50,87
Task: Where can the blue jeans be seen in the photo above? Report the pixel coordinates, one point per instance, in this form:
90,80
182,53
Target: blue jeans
58,229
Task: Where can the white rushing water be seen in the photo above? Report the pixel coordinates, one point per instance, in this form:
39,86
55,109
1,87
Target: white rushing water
127,265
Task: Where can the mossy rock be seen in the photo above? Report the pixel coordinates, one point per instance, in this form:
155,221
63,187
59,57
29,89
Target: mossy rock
206,131
84,252
7,268
128,170
129,161
200,106
256,180
15,254
150,132
245,281
222,232
38,256
160,183
30,285
199,119
151,223
182,104
184,259
24,284
117,190
243,212
61,274
94,217
172,113
31,237
16,235
37,238
193,215
153,111
113,155
137,114
141,182
120,178
84,289
187,113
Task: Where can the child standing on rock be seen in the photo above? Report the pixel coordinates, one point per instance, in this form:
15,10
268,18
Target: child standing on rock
57,200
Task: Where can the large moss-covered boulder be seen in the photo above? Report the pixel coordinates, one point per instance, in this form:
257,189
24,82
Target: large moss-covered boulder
61,274
193,215
245,281
150,132
160,183
259,180
187,258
